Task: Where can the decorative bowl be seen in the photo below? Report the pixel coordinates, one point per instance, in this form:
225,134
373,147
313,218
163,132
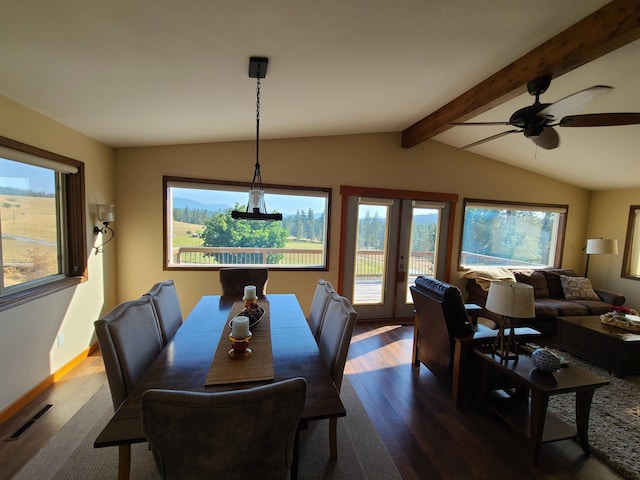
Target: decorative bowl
255,316
545,360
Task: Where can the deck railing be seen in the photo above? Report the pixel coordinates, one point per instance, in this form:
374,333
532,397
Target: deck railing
368,262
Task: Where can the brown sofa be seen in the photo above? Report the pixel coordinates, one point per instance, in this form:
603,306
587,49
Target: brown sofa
549,298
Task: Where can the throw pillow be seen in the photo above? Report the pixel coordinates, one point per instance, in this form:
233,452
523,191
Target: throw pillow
536,279
553,280
577,288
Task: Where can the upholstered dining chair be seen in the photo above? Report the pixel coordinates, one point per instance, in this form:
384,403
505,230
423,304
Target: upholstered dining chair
319,306
167,307
335,338
233,280
238,434
130,340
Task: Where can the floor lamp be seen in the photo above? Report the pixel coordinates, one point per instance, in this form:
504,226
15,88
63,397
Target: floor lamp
598,246
511,300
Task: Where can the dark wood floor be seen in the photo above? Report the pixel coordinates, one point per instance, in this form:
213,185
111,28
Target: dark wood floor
425,435
428,438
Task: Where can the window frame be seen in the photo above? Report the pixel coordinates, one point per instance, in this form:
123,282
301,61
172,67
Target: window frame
631,243
166,179
514,205
74,240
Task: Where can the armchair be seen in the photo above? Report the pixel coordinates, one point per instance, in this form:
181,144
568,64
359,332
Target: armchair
444,335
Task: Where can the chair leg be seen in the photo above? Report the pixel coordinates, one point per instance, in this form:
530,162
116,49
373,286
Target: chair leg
124,461
333,437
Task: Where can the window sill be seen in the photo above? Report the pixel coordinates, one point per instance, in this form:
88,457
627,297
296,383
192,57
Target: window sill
25,296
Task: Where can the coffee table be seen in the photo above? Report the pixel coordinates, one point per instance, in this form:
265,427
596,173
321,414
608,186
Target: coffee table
527,412
613,348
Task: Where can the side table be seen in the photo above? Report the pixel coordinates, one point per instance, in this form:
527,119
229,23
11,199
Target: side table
531,409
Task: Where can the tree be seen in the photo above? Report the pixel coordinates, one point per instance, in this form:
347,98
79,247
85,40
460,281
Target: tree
310,225
222,231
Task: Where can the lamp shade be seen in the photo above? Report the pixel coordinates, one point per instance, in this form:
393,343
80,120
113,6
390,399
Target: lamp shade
511,299
106,212
597,246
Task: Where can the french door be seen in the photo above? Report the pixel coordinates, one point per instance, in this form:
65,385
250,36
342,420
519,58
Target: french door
387,241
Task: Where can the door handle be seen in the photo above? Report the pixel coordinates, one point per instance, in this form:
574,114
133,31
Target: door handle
401,275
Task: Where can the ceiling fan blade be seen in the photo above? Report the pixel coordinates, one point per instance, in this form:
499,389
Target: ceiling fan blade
548,139
480,123
573,103
600,120
485,140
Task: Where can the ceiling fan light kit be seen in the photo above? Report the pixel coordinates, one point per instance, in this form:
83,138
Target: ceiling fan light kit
537,121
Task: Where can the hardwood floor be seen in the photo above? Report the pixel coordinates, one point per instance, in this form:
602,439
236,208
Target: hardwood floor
426,436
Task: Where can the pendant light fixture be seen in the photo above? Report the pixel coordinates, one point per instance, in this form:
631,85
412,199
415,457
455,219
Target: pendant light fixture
256,208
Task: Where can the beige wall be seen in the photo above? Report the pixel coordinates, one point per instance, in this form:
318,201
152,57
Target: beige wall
29,350
374,160
28,346
609,215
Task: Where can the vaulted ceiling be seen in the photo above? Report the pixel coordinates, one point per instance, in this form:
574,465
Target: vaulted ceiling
155,72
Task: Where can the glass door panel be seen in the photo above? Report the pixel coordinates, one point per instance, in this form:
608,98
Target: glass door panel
371,254
423,246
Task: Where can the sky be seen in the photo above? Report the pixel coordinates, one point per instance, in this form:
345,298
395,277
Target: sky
28,177
281,203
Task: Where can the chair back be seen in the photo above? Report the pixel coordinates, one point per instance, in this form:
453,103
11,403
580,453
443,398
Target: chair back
335,336
319,306
233,280
129,340
440,317
232,435
166,304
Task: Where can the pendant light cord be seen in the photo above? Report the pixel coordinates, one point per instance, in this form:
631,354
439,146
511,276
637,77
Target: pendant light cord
256,174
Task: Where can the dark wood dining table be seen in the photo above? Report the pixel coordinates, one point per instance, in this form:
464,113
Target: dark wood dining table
184,363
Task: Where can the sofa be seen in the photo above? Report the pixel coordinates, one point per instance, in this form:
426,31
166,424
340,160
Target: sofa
557,292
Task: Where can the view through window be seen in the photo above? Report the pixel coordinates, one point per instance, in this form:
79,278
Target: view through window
201,234
43,244
512,235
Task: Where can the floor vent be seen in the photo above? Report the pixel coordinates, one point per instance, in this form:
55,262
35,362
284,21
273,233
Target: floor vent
29,422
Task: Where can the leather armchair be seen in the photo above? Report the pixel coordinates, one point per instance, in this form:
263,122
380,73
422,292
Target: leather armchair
445,337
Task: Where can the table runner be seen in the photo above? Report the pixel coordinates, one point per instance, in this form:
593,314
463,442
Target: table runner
259,366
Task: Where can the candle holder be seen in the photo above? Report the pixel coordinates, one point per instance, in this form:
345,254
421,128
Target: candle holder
249,296
240,347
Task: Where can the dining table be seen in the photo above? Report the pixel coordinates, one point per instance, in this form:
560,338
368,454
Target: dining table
186,361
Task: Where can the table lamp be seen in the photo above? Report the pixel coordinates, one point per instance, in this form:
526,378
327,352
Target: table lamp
511,300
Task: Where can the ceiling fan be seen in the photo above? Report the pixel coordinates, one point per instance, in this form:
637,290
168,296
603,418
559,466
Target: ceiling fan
537,121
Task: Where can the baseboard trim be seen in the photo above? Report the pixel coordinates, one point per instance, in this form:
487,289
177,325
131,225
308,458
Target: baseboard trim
24,400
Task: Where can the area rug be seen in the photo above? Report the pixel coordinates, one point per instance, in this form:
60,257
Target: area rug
70,455
614,422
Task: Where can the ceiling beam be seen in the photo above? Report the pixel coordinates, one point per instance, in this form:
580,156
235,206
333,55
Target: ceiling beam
612,26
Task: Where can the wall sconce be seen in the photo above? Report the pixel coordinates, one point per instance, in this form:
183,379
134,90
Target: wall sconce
106,215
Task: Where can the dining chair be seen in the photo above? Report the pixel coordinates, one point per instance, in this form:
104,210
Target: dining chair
166,304
130,340
233,280
318,306
238,434
335,338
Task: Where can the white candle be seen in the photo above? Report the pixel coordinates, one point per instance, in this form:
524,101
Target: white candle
240,327
250,292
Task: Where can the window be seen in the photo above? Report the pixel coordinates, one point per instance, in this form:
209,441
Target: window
631,259
200,233
43,245
512,235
